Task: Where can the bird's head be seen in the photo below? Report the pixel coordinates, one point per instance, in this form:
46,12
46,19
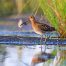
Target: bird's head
31,18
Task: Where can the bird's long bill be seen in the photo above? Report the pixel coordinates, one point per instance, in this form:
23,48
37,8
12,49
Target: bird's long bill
24,23
20,24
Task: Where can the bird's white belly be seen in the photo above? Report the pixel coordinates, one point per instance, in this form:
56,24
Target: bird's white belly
37,31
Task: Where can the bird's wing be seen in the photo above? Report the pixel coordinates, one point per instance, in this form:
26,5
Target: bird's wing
44,27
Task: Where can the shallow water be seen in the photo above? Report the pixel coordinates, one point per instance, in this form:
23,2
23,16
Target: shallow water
12,56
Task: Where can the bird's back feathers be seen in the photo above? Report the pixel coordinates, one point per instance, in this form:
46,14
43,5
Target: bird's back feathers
45,27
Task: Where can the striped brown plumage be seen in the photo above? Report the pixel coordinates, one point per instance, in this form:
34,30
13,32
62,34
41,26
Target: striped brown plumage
38,27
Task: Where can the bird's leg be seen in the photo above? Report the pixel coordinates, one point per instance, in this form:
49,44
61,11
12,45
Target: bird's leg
58,45
41,42
45,44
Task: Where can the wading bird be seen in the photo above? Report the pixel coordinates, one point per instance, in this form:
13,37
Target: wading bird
40,28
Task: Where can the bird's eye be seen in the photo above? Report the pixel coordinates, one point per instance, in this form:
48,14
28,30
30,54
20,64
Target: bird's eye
31,17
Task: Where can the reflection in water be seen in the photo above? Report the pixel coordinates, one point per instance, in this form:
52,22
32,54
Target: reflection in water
12,57
26,58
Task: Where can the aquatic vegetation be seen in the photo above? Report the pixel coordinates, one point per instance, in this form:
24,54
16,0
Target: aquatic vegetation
55,12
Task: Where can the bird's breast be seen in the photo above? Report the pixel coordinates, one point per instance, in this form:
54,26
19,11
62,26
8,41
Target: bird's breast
36,29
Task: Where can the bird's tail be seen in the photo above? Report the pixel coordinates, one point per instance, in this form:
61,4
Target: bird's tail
52,29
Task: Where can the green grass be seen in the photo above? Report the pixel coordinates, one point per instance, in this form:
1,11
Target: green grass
55,12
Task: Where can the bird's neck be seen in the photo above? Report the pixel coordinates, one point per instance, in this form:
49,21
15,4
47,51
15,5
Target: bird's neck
33,21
